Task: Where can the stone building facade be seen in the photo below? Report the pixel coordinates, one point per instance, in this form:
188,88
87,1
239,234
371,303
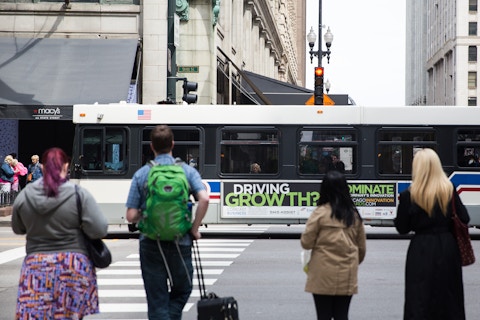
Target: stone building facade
214,40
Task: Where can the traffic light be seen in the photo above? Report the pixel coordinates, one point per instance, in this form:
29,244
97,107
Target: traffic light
187,87
319,85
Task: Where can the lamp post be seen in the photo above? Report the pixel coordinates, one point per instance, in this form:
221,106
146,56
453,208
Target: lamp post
311,38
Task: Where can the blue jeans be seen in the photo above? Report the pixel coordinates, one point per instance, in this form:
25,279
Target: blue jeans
165,304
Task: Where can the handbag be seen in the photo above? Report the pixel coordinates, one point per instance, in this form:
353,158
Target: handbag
96,248
462,236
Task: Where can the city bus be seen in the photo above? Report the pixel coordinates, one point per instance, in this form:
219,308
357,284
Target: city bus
291,149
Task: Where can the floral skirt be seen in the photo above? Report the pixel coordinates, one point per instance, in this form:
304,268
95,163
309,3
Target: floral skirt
57,286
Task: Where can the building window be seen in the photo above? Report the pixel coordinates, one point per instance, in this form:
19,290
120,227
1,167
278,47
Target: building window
472,5
472,28
472,101
472,54
472,80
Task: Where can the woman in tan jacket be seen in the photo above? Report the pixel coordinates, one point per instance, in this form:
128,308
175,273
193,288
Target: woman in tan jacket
335,234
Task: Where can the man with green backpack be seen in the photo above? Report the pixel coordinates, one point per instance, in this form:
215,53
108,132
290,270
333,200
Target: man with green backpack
158,202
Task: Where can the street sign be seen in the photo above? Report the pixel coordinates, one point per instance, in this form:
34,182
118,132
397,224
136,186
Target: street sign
188,69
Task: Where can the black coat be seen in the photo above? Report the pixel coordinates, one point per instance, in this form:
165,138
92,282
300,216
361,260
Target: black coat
433,273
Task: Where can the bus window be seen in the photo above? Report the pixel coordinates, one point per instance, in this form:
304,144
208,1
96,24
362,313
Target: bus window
187,146
468,148
321,150
397,146
249,151
103,149
91,149
115,149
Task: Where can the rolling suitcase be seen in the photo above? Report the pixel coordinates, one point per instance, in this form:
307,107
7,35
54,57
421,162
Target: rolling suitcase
210,306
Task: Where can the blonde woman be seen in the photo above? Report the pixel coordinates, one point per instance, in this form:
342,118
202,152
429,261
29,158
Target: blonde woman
18,170
433,274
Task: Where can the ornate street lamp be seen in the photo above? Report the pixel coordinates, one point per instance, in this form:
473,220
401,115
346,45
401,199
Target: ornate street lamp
319,72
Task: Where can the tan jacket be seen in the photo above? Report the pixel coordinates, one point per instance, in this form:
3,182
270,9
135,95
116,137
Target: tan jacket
336,253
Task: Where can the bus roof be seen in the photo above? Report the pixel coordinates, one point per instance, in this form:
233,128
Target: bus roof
123,113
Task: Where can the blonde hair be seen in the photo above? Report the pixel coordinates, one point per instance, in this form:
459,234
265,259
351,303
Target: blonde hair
9,159
14,162
430,184
36,157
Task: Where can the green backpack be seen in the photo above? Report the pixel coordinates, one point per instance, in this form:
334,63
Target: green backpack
167,216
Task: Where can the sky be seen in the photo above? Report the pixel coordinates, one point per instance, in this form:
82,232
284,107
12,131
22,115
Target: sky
367,59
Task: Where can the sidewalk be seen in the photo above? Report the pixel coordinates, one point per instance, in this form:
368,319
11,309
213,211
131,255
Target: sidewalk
5,216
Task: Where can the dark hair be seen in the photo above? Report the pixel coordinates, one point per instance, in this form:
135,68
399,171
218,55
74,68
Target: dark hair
162,138
53,161
334,190
14,155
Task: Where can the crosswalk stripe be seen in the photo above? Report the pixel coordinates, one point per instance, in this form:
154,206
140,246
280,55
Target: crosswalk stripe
204,263
119,272
217,249
218,255
225,241
138,282
111,272
217,245
102,293
214,263
123,307
12,254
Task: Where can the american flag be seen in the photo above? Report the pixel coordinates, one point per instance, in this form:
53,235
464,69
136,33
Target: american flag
144,114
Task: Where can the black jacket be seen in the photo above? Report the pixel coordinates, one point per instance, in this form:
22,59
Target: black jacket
433,275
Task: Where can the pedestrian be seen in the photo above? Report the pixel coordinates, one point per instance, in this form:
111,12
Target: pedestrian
6,175
34,169
19,170
433,272
335,234
166,262
57,278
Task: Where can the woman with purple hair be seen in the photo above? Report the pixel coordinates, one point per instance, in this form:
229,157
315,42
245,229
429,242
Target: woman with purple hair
57,279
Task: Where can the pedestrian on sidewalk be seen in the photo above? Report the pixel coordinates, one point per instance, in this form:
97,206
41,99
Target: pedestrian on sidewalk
34,169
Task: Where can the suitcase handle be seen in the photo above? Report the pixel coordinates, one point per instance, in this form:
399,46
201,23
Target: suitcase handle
198,267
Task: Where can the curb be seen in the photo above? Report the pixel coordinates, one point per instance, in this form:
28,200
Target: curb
6,216
5,211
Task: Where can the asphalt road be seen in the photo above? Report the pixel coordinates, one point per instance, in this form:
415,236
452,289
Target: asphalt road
262,272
